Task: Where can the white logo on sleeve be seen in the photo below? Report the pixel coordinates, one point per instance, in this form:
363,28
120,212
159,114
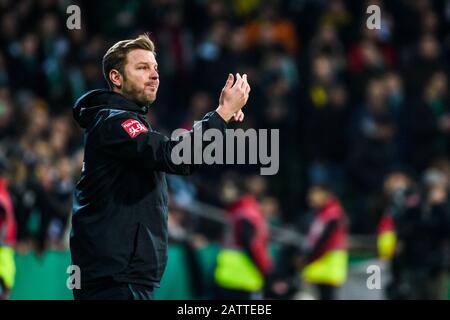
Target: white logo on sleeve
133,127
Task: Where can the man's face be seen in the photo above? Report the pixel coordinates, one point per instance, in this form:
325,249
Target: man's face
317,197
140,79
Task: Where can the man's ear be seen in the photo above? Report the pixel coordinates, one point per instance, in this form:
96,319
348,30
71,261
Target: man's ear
116,78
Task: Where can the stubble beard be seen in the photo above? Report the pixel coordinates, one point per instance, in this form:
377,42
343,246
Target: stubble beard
135,94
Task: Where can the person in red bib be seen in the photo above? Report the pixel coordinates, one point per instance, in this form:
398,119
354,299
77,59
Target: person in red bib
243,262
8,233
325,253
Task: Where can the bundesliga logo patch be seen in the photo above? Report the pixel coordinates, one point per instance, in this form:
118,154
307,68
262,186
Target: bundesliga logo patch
133,127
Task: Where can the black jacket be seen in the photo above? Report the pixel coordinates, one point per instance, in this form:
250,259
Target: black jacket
119,222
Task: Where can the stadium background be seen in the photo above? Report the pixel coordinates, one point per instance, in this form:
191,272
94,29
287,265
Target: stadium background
351,104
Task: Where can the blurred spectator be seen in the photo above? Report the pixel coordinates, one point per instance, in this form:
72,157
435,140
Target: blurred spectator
327,42
374,154
243,262
421,261
324,260
399,195
256,186
337,15
8,235
26,57
396,183
426,62
271,209
6,111
181,233
428,243
24,201
327,138
429,123
271,29
199,104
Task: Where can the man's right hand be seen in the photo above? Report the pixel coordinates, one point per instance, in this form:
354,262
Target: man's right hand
233,97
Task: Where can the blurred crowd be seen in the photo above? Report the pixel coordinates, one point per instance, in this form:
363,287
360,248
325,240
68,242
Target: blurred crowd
353,105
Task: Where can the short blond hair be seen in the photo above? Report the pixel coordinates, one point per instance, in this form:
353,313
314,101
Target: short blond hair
116,56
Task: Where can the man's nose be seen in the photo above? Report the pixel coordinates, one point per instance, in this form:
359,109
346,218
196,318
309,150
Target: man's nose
154,75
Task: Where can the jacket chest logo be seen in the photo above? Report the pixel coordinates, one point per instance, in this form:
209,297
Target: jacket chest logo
133,127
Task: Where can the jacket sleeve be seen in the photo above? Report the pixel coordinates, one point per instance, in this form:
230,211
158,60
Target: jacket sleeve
254,249
2,222
313,251
126,138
